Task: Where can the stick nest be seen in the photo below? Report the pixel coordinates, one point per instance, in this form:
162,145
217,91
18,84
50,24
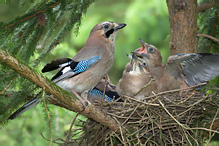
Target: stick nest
169,118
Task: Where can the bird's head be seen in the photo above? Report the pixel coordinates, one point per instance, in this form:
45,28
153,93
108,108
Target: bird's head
107,30
139,62
153,54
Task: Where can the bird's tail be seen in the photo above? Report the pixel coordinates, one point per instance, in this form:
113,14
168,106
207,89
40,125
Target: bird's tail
34,101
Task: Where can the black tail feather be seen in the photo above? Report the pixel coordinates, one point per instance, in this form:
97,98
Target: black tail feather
34,101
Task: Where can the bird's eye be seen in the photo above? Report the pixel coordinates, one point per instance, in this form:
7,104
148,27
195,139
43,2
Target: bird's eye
151,49
144,64
106,26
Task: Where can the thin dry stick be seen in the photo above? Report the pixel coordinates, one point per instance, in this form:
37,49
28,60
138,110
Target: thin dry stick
211,127
188,128
171,115
192,138
144,87
50,122
171,138
104,90
208,36
175,90
191,106
111,141
186,98
124,141
66,140
153,104
131,114
187,137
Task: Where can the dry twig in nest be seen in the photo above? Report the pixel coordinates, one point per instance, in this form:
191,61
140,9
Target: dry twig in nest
162,119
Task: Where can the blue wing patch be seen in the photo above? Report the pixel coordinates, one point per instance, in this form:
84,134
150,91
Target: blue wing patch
85,64
99,94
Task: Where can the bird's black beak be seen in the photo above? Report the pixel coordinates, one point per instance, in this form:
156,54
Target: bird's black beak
141,55
119,26
134,57
141,41
143,49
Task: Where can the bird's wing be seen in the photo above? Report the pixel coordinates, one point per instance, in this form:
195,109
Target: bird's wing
55,64
109,95
197,67
75,68
88,51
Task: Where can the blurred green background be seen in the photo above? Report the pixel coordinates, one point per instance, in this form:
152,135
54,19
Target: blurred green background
145,19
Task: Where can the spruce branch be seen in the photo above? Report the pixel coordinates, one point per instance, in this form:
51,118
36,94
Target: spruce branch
207,5
69,101
208,36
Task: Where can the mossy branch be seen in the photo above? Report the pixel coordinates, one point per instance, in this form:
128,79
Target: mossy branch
61,97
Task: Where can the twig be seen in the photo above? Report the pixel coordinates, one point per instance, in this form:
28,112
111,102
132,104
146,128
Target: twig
66,139
186,98
176,90
104,90
188,128
208,36
207,5
124,141
191,106
211,127
144,87
50,122
187,137
153,104
131,114
171,138
171,115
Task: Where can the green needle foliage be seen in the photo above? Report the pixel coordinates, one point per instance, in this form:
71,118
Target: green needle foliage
40,29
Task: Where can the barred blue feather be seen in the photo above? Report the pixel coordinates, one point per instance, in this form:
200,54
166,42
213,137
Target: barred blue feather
85,64
99,94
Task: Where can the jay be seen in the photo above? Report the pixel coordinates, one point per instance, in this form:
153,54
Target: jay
137,82
97,92
88,66
181,70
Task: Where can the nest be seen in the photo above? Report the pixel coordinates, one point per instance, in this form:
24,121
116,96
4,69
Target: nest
168,118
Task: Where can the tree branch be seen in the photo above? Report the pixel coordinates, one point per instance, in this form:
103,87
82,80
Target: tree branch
208,36
207,5
61,97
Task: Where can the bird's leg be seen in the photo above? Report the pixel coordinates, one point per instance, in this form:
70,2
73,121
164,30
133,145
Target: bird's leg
80,98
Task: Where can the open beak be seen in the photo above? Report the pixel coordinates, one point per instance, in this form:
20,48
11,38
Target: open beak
134,57
143,49
141,55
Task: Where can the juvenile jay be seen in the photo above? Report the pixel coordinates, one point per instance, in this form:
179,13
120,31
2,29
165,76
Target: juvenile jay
89,65
181,70
137,82
128,66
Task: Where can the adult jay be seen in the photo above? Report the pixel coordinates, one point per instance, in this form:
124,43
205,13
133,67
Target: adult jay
137,82
88,66
96,94
181,70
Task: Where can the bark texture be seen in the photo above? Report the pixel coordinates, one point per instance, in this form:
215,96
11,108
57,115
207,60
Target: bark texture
183,26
